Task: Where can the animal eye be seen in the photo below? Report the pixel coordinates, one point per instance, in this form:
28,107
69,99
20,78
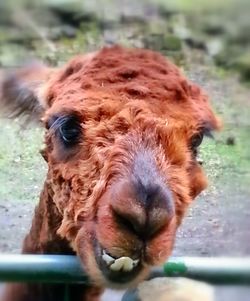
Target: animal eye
196,141
67,128
70,131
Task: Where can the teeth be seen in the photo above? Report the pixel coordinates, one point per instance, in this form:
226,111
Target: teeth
107,258
124,263
119,264
135,262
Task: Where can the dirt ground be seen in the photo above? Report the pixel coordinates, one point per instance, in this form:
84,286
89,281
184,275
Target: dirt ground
217,223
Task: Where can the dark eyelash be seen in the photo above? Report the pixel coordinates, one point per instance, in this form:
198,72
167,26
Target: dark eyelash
67,128
206,132
202,132
56,122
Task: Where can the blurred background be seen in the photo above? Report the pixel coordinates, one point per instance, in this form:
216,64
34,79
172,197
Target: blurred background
208,40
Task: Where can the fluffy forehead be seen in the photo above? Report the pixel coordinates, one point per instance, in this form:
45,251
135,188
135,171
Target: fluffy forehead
115,79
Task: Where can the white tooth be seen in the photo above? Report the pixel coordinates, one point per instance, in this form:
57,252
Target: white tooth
127,264
123,263
117,265
107,258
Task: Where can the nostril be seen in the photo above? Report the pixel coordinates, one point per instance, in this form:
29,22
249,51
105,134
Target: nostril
158,219
127,211
129,223
143,210
161,210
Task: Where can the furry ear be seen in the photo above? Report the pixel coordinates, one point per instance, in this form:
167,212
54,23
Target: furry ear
204,113
22,92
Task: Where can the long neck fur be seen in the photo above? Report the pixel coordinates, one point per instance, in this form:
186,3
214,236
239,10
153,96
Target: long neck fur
43,239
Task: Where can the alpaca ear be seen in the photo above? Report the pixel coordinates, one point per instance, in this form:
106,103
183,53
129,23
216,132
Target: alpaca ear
208,120
22,92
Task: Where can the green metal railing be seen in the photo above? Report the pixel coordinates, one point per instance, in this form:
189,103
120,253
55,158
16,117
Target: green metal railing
67,269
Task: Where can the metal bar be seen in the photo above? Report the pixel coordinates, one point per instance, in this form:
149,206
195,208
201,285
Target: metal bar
41,268
67,269
213,270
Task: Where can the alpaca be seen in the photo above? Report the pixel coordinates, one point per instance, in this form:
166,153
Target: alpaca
122,131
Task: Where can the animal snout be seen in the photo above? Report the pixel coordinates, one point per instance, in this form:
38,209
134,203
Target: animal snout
143,210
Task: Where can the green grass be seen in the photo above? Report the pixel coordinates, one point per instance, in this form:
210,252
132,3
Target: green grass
201,5
225,163
21,167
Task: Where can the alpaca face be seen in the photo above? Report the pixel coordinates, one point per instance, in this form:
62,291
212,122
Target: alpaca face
122,132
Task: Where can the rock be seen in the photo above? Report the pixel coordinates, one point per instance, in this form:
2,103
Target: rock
70,12
230,140
196,42
59,32
213,26
182,32
214,47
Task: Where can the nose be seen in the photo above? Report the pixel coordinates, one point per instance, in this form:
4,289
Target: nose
142,208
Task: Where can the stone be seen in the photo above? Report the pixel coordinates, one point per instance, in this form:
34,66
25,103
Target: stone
230,140
213,26
59,32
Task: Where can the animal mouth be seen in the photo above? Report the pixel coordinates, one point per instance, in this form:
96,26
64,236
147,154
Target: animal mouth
118,270
124,263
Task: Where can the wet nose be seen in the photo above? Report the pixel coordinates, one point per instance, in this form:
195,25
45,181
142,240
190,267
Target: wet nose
143,209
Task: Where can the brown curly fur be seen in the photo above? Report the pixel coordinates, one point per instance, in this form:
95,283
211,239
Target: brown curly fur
130,103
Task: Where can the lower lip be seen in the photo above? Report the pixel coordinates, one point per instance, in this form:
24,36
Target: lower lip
120,277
